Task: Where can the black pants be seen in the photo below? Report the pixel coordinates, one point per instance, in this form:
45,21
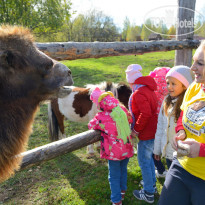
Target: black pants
181,187
159,165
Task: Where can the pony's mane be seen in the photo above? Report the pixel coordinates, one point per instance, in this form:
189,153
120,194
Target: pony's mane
107,86
8,32
101,85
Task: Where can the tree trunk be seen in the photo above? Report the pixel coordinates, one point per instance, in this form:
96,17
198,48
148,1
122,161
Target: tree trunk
184,57
57,148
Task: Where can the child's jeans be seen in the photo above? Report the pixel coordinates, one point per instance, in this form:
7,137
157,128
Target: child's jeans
146,163
118,178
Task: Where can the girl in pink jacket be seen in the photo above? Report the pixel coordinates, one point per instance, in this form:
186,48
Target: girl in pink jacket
116,141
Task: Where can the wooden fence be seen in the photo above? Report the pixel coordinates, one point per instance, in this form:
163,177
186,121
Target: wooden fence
76,50
71,51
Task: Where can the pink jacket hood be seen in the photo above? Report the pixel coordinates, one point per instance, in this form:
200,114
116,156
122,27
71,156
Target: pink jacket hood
108,103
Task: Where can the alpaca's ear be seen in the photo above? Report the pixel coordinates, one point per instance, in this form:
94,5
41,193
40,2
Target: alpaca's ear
6,58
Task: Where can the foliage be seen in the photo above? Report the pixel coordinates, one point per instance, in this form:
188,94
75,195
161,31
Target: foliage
50,20
41,16
93,26
133,33
75,178
171,31
126,28
200,26
145,33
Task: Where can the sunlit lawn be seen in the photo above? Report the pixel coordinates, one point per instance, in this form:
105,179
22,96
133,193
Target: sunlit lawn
75,178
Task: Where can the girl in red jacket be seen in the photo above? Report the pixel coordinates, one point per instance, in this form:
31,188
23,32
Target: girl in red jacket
143,107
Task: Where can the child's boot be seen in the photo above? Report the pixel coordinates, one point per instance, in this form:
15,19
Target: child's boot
123,194
118,203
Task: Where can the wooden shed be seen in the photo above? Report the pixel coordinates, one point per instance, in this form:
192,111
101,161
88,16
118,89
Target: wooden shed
155,37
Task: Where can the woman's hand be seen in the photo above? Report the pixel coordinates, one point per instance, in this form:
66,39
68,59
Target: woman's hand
157,157
194,148
181,135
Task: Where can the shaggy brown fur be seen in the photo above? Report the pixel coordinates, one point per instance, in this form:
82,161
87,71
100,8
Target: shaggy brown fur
27,77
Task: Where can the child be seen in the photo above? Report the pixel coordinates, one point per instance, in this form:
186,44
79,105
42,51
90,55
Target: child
116,142
143,107
178,79
159,75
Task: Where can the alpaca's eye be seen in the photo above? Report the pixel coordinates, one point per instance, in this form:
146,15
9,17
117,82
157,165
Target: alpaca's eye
49,65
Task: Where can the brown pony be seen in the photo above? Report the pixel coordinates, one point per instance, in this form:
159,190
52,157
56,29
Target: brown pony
27,77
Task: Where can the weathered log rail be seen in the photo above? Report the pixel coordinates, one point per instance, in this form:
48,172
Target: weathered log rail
81,50
55,149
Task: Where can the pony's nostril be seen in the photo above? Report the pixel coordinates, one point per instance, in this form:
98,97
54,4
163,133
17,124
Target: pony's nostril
69,72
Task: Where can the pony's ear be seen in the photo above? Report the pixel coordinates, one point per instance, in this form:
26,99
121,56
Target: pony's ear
6,58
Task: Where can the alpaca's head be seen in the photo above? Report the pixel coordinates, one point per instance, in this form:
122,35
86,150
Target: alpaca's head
24,70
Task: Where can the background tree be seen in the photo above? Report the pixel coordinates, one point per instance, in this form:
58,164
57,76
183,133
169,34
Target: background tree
51,20
42,16
78,28
200,28
126,27
145,31
133,33
172,31
94,26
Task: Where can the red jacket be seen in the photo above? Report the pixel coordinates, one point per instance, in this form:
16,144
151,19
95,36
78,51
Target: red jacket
144,108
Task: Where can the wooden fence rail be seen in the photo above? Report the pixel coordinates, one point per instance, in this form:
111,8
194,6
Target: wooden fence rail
57,148
76,50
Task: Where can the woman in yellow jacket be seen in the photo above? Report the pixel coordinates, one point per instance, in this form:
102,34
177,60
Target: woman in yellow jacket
185,181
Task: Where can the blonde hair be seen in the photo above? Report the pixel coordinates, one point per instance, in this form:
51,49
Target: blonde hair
203,47
202,44
176,111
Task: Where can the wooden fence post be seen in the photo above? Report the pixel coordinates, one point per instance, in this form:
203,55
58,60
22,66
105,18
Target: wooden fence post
184,57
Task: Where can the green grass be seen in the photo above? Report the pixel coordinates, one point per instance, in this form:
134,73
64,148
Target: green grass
113,68
74,178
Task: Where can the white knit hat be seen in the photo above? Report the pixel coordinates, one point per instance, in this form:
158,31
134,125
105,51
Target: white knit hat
181,73
133,72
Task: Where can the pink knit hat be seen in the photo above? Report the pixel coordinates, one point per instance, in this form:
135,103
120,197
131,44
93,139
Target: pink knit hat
133,72
181,73
159,75
159,72
96,94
